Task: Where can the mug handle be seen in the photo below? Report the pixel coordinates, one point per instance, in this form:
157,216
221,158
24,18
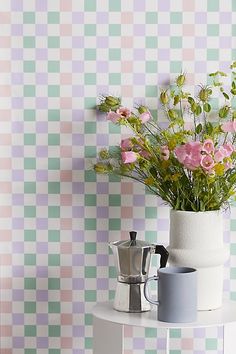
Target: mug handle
155,277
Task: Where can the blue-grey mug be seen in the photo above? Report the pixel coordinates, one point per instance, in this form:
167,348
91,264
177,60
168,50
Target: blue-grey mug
177,294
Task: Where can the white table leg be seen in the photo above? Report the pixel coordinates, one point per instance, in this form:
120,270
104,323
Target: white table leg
230,338
107,337
167,341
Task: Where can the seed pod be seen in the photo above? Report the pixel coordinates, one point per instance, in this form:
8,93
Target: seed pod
224,111
103,107
164,98
204,94
180,80
142,109
104,154
172,114
100,168
112,101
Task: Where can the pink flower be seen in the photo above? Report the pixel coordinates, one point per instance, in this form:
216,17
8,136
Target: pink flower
113,116
228,147
228,165
165,152
129,156
126,144
145,116
189,154
229,127
208,146
144,154
123,112
207,162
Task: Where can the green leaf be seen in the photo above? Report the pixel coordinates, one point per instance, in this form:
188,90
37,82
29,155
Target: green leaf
198,110
233,85
190,100
209,128
176,100
207,107
226,95
198,128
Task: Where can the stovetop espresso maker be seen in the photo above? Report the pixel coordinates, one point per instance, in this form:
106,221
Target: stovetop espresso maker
132,260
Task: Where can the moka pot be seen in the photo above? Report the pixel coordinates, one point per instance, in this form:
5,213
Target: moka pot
132,260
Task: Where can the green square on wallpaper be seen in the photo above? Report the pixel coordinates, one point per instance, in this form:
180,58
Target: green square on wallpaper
151,91
90,127
54,188
151,17
111,295
233,249
114,224
90,30
53,163
233,30
151,236
233,296
30,235
54,331
88,343
54,351
53,17
30,351
30,259
151,42
29,139
90,224
90,272
54,307
114,200
28,17
115,5
53,115
29,114
30,331
175,42
90,54
115,79
90,102
233,273
114,178
114,30
29,90
29,211
112,272
150,333
53,211
175,333
53,90
90,79
114,54
54,284
88,319
90,5
90,176
90,151
213,30
212,54
175,351
90,199
53,66
176,17
29,66
176,66
53,42
213,5
54,139
29,42
232,225
90,295
150,212
53,235
90,248
30,187
151,67
29,283
54,260
211,343
29,307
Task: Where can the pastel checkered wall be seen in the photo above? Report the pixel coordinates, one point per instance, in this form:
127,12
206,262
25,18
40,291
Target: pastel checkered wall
56,215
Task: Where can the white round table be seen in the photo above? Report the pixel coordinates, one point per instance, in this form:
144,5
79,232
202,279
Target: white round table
108,326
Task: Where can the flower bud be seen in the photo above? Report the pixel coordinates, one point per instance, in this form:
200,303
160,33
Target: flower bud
164,98
180,80
100,168
112,101
172,114
204,94
142,109
104,154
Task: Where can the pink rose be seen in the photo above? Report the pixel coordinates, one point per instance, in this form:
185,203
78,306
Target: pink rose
165,152
189,154
145,116
207,162
123,112
129,156
126,144
229,127
113,116
208,146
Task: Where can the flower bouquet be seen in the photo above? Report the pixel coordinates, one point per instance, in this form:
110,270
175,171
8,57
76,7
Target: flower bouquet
190,161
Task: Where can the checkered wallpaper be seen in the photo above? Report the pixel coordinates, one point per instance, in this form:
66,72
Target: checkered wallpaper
56,215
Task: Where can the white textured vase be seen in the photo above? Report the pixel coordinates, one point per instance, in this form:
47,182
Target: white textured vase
196,240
